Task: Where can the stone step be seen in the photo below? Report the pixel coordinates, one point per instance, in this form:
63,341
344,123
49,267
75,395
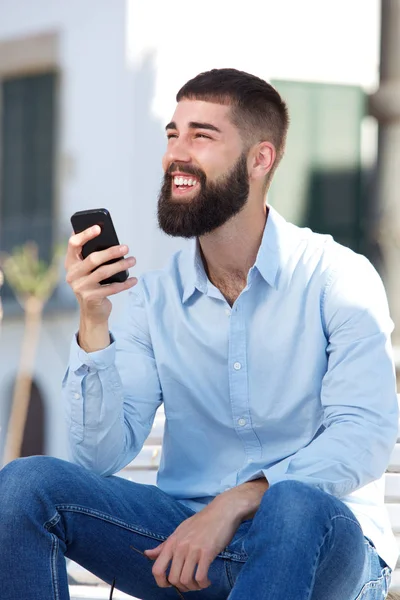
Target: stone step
395,583
96,592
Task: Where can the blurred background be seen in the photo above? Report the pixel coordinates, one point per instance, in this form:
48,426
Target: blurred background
86,88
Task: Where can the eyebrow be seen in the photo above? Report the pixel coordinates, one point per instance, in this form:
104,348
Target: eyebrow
195,125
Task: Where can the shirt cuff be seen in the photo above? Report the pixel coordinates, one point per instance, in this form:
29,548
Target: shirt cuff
99,360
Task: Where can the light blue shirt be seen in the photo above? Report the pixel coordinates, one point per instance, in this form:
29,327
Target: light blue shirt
295,381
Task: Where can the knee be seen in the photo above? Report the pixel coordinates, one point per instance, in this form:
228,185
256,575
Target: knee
290,488
26,478
292,500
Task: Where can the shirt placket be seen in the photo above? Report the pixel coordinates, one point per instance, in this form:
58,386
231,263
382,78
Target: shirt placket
238,384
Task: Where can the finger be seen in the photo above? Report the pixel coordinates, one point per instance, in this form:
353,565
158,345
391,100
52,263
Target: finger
187,578
202,571
76,241
106,271
103,291
161,565
154,553
90,280
81,268
174,575
95,259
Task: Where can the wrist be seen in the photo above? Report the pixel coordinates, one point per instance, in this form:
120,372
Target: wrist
226,506
244,500
93,336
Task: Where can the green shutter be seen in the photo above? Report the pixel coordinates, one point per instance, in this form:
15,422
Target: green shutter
27,163
318,183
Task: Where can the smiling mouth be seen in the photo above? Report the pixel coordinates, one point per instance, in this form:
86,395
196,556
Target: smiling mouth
184,185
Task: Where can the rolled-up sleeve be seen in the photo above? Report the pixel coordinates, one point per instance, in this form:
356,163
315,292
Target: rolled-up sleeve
111,396
358,394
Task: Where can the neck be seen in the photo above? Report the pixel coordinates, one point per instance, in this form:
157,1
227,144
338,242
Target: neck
231,250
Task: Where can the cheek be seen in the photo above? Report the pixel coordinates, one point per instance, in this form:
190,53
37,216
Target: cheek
216,160
217,169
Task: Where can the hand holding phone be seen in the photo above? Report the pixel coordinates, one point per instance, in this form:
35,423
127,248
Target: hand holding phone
95,257
106,239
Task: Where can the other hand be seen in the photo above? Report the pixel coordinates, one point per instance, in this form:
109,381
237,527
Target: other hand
193,546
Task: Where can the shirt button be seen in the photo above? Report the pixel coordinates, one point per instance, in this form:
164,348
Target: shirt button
237,366
242,422
250,460
76,396
228,311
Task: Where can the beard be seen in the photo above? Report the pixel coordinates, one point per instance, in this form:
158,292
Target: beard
213,205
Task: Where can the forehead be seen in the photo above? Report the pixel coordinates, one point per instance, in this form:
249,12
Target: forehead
199,111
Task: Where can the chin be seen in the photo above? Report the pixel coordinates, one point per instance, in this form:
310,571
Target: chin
182,198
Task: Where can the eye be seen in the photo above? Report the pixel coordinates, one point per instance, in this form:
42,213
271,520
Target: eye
203,135
172,135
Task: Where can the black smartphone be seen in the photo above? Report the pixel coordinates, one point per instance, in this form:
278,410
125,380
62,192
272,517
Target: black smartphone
84,219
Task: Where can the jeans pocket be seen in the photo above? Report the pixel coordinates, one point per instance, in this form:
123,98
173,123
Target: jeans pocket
376,589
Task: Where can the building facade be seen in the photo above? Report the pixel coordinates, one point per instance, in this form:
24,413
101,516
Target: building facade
86,89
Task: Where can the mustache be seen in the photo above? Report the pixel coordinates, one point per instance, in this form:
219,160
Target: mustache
188,169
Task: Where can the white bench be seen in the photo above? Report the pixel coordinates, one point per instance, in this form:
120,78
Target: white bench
144,470
392,502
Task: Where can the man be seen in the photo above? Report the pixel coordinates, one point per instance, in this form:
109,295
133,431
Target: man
270,348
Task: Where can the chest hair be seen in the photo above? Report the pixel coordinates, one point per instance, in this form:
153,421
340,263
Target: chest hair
230,288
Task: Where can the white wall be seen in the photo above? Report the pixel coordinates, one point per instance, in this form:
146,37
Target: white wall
310,40
51,362
335,41
121,64
95,150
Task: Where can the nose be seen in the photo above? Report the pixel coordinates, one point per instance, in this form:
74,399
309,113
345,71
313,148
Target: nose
178,152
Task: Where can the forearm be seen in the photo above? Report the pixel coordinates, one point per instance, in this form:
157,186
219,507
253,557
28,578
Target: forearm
110,406
243,500
98,436
93,337
346,456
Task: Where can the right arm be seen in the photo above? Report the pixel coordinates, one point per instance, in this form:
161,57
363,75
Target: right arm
111,388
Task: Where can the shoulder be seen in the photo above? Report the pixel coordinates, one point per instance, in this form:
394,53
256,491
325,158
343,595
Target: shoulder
316,263
321,254
351,292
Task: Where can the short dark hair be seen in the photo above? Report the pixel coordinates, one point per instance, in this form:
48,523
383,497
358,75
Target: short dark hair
258,110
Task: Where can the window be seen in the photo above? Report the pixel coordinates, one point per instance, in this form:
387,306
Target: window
318,183
27,138
33,440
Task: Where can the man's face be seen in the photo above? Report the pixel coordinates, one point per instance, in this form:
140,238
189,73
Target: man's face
206,179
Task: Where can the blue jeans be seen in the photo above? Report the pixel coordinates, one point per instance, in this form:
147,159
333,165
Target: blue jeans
302,544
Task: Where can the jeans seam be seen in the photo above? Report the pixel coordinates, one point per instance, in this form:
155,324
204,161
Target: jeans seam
228,572
53,566
354,521
322,543
134,528
52,522
314,567
110,519
372,584
330,529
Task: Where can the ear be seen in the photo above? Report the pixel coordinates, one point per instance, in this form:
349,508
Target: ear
262,160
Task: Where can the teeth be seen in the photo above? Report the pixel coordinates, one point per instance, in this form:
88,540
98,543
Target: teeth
182,181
